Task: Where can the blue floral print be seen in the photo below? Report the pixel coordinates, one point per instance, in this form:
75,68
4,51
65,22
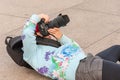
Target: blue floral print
70,50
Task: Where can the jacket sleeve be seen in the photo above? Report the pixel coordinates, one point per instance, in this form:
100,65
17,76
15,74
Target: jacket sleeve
65,40
28,37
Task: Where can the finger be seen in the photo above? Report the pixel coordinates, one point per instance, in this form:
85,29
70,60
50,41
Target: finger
57,29
51,30
47,19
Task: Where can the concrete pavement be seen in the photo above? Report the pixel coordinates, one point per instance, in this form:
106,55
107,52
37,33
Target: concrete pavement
95,25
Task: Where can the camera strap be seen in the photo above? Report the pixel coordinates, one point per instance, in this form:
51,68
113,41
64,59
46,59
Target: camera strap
48,42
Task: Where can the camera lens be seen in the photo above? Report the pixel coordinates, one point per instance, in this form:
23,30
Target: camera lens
60,21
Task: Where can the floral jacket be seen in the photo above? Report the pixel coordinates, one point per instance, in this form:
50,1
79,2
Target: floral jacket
57,63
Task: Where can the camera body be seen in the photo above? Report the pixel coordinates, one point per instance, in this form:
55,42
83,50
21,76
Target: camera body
59,21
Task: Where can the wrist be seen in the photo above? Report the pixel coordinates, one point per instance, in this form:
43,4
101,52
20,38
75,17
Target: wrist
59,36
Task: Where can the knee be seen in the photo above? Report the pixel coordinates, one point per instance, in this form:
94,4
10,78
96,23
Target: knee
116,46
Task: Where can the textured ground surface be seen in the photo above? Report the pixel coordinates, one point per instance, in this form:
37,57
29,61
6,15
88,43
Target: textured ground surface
95,25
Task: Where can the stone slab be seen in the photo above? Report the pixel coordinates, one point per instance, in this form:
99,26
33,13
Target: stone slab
95,25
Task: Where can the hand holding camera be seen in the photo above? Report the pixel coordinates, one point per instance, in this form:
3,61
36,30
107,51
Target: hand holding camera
44,16
55,32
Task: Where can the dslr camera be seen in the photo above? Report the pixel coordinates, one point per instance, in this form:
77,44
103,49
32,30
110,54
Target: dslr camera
59,21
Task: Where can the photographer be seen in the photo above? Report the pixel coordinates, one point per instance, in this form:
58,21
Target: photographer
56,63
67,62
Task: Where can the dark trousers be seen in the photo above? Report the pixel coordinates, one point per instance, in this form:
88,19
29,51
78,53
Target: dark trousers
111,69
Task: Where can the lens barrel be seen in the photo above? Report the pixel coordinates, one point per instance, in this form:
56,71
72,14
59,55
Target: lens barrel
59,21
